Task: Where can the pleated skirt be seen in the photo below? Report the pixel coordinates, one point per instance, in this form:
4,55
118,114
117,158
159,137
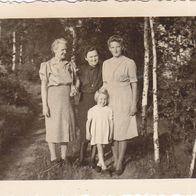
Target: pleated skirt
60,126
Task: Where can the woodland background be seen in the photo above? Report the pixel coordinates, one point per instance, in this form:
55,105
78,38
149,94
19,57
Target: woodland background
25,43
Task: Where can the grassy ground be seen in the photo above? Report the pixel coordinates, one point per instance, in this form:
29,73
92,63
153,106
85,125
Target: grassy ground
27,156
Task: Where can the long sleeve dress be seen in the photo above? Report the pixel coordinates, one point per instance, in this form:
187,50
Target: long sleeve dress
60,126
118,73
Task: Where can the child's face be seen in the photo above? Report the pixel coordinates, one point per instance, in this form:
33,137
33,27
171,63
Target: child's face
102,100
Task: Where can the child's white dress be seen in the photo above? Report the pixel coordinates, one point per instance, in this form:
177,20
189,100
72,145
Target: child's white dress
100,124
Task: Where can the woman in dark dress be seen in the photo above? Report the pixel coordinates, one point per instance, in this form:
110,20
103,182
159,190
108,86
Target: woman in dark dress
91,80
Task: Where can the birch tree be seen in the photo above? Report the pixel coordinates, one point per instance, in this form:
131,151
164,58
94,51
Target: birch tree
146,76
14,51
192,166
155,103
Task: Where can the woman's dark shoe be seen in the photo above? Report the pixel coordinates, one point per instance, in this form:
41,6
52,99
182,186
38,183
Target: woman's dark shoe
98,169
106,172
112,168
79,163
119,171
55,162
93,164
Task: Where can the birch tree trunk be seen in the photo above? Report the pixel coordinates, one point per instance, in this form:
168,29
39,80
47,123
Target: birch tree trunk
155,103
146,77
192,166
20,54
14,52
0,30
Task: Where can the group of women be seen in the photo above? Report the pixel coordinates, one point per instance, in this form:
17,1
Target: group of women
59,81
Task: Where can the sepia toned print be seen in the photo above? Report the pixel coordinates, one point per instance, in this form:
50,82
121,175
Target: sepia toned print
47,89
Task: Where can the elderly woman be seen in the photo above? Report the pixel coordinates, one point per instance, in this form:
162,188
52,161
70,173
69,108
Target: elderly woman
119,77
57,76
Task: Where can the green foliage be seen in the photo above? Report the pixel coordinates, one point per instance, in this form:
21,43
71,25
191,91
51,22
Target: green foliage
12,92
176,75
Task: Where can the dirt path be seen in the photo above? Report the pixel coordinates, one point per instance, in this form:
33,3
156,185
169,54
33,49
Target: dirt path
28,159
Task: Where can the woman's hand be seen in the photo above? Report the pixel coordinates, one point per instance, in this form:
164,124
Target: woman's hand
88,136
74,90
133,110
46,111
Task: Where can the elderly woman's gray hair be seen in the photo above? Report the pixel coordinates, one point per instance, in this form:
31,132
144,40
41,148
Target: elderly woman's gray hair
56,42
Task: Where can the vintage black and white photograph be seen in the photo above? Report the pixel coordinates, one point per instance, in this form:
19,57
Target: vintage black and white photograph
97,98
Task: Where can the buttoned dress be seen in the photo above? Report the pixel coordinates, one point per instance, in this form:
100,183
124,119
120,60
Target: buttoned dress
118,73
60,126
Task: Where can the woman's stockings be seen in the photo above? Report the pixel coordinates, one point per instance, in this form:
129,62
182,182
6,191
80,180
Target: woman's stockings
52,151
115,151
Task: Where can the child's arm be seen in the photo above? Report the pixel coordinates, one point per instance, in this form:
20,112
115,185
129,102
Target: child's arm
88,134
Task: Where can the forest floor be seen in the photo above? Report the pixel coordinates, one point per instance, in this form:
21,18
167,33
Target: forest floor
26,157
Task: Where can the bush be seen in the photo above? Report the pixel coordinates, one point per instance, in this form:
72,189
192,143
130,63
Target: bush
12,92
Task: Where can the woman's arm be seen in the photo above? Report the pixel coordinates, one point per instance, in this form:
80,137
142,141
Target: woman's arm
134,98
44,96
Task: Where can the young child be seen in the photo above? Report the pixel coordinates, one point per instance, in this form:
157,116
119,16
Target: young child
99,126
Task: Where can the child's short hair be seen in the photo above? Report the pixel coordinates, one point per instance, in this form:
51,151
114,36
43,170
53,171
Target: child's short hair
102,91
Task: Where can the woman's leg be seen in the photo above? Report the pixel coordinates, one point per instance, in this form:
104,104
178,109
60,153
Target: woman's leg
115,151
101,156
52,151
83,149
122,151
93,152
63,151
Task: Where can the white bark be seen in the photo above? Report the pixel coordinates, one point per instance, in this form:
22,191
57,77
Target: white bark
14,52
146,75
20,54
0,30
155,103
192,161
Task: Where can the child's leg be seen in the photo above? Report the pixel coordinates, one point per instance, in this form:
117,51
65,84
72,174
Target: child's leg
101,156
52,151
115,151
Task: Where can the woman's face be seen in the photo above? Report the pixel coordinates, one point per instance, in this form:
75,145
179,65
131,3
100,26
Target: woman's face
60,51
115,48
92,58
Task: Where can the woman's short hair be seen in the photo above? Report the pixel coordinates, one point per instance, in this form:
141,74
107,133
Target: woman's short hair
102,91
90,49
116,38
58,41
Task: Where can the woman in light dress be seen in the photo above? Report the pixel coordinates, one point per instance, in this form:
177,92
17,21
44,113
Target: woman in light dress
119,77
57,76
